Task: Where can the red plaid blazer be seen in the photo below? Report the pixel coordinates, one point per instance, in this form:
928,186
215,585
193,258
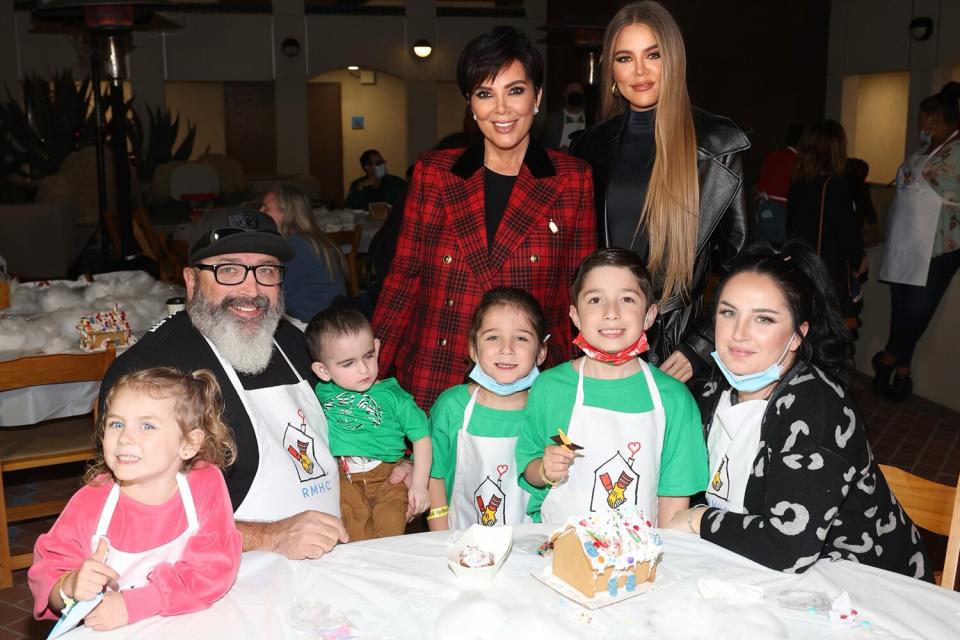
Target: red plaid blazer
442,266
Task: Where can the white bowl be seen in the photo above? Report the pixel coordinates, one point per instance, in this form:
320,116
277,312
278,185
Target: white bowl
495,540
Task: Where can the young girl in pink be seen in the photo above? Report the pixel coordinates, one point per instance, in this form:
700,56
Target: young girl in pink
153,528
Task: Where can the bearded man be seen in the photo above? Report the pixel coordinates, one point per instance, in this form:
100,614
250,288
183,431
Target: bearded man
284,485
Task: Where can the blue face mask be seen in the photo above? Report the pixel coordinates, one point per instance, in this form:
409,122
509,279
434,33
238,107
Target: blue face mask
480,376
750,382
380,170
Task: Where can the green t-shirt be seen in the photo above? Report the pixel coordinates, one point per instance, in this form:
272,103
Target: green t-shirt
683,456
446,420
371,424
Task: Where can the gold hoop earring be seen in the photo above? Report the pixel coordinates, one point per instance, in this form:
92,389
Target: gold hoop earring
614,90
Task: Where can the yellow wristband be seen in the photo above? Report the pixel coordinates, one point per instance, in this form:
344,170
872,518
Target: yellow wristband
439,512
543,476
68,602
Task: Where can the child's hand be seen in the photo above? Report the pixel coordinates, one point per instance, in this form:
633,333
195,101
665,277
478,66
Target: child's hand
109,614
92,576
556,462
418,500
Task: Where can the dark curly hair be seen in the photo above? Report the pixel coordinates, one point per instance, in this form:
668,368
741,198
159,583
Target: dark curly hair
806,285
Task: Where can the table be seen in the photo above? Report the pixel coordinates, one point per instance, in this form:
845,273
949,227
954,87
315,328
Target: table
344,220
401,588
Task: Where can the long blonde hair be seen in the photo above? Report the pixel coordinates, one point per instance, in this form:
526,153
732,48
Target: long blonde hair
671,210
199,405
298,220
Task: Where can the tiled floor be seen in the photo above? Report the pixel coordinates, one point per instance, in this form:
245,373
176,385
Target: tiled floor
917,435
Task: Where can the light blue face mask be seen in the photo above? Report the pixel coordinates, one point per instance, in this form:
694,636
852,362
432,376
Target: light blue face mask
481,377
750,382
380,170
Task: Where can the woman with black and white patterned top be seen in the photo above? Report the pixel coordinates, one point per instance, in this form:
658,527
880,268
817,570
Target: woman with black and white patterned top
792,477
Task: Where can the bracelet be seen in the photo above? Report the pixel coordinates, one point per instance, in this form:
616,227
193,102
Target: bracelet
690,519
439,512
68,602
543,476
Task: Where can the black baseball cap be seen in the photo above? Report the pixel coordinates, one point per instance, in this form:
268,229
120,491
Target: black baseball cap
237,230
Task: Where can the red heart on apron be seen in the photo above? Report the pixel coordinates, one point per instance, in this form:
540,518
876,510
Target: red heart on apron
634,447
502,469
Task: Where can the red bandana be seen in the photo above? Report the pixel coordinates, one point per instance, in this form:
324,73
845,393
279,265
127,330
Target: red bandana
618,358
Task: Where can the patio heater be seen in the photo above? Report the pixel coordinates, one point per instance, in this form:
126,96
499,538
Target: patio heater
108,25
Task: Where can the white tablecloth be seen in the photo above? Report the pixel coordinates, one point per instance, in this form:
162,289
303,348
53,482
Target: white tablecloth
401,588
346,219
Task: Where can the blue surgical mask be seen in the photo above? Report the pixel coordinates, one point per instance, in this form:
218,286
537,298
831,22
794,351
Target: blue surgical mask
480,376
380,170
750,382
926,137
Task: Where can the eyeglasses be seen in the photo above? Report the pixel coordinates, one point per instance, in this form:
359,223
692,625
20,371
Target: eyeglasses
231,274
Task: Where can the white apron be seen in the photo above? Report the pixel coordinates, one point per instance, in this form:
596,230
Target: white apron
732,447
296,471
620,463
912,228
134,567
485,489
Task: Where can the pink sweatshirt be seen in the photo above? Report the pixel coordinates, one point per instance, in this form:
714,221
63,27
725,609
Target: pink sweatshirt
201,577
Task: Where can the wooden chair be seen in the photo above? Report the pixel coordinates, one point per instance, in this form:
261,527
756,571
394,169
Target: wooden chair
44,444
933,506
351,237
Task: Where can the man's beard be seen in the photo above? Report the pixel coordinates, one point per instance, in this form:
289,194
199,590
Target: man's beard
246,344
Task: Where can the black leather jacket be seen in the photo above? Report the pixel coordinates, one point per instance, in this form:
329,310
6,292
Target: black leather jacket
681,323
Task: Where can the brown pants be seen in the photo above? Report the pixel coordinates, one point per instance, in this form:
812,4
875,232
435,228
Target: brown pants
371,507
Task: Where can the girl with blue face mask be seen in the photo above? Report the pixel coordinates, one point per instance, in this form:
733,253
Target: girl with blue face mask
792,479
474,426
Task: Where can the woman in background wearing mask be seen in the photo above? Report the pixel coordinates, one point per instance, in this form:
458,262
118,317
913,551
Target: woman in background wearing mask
922,250
669,179
792,478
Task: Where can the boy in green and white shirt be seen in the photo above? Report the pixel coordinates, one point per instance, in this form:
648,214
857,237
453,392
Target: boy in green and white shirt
367,422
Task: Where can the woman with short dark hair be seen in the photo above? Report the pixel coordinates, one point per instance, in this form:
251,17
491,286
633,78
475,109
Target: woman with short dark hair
504,212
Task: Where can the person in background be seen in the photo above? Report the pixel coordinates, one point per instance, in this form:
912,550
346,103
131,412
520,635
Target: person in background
315,274
563,123
792,477
855,174
820,210
922,250
669,179
504,212
153,529
774,186
376,185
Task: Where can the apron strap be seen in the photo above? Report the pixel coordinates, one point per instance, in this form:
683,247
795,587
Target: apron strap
468,412
579,400
193,522
107,513
654,391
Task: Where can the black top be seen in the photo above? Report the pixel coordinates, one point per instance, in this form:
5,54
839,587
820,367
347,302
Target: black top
175,342
814,490
628,184
840,242
496,193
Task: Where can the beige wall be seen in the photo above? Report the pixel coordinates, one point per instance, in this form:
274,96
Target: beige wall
874,114
200,103
450,105
384,109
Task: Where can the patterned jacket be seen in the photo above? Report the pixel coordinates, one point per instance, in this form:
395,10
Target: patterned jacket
443,266
814,490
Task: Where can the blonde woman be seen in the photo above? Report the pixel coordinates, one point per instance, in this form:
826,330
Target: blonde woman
314,275
669,179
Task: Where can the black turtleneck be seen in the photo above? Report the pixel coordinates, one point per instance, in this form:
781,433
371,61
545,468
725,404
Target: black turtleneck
628,183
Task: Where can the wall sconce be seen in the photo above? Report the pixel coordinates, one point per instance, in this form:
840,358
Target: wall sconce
290,47
921,28
422,49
